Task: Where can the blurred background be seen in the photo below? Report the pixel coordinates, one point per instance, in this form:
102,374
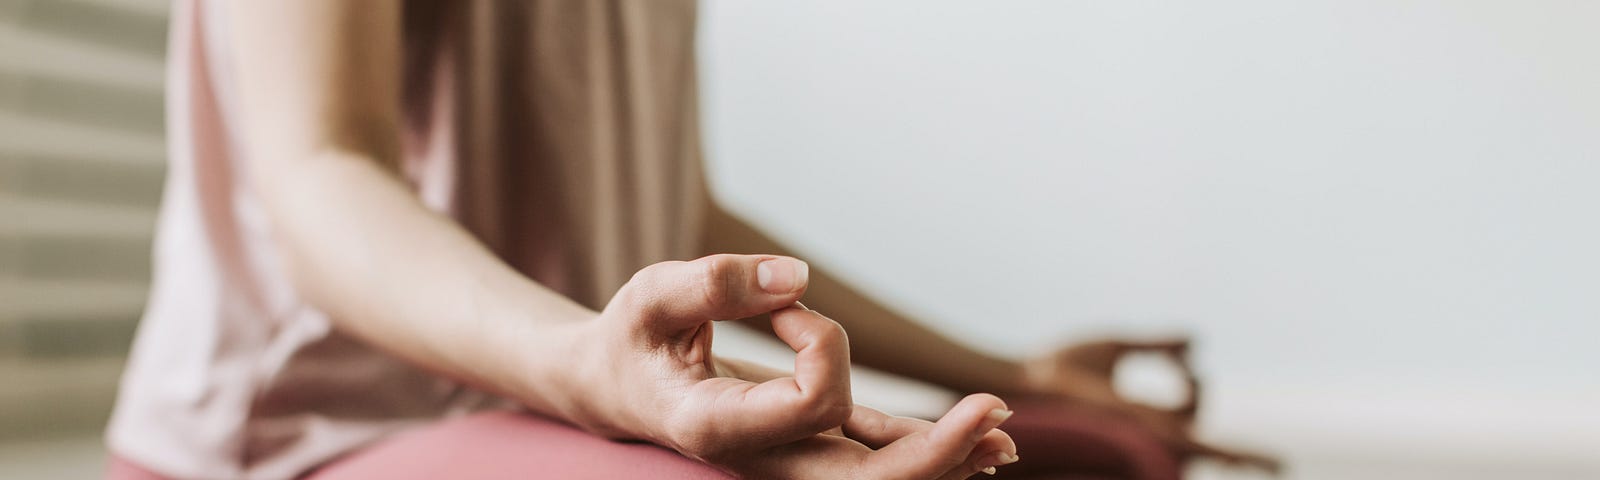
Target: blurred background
81,154
1378,218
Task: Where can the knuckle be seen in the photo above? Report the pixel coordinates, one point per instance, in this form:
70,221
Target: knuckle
645,284
835,413
828,337
878,425
652,273
825,409
833,334
652,294
714,280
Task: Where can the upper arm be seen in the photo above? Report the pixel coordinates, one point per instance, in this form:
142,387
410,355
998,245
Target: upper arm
317,77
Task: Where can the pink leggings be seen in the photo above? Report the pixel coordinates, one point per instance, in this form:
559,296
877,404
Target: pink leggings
1053,441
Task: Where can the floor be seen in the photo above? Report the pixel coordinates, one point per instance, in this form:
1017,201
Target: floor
76,457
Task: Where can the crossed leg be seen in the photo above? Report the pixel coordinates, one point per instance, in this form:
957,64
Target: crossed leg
1053,441
500,445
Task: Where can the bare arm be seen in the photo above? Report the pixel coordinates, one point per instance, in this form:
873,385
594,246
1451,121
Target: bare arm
1080,374
319,82
877,333
319,88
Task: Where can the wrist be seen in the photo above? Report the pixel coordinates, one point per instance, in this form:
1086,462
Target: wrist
582,384
1010,377
1032,376
546,364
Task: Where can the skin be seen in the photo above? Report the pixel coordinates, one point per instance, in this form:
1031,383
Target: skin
1080,374
318,83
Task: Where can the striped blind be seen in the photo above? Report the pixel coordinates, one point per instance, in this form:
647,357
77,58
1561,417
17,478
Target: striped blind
81,163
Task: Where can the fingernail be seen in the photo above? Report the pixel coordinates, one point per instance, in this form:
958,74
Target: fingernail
993,419
781,275
998,459
999,415
1007,458
989,470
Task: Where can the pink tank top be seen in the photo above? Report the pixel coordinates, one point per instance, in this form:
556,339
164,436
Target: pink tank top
564,134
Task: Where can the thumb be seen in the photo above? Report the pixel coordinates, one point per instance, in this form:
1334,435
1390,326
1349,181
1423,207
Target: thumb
675,296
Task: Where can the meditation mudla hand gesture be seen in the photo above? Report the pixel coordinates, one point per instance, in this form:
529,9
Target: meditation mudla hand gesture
1083,374
653,377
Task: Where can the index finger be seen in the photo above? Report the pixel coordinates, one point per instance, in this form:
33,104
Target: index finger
785,409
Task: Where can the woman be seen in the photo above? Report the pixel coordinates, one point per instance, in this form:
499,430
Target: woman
380,214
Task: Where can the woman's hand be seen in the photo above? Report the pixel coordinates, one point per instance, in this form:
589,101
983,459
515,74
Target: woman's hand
645,371
1083,374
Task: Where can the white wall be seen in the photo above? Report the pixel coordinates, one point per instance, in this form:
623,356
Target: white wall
1379,217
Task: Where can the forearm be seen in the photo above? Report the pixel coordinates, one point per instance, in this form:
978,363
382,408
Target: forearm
318,85
878,334
412,282
319,100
